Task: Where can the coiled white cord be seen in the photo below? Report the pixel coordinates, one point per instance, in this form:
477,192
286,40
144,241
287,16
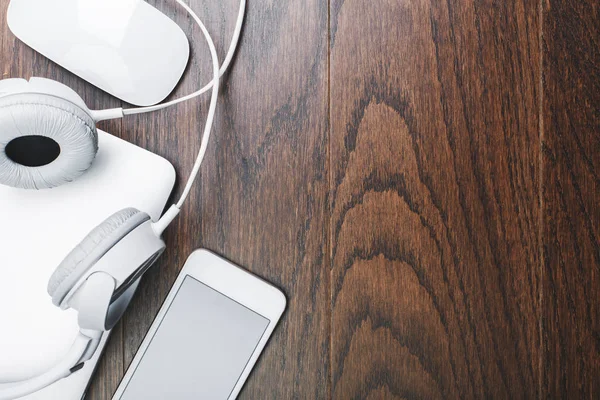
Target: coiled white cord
172,213
211,109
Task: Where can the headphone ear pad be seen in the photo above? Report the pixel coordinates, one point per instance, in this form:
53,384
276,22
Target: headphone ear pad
45,141
95,245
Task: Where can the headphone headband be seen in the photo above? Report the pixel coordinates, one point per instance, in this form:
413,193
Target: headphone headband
82,349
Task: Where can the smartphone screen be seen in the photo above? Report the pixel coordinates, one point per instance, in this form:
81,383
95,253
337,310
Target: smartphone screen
200,349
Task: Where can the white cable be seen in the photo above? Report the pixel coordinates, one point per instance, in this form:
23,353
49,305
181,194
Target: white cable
211,109
170,215
228,57
63,369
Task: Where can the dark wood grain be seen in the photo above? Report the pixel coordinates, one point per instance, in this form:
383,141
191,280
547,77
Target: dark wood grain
571,199
420,178
435,213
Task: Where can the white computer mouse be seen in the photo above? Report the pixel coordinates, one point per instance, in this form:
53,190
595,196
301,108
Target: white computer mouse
125,47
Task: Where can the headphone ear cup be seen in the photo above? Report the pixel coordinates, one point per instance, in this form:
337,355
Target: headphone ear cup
93,247
45,141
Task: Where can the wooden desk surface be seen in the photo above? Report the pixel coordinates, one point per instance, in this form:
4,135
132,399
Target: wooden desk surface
421,178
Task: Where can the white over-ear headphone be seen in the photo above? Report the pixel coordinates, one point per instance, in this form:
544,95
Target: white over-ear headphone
48,137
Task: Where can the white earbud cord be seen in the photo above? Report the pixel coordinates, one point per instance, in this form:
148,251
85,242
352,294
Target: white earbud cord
211,109
172,213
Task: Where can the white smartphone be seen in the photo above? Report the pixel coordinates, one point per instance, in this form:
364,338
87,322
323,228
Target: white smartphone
207,335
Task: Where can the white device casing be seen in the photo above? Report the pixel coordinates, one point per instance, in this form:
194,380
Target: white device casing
122,176
135,53
93,295
231,281
236,283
